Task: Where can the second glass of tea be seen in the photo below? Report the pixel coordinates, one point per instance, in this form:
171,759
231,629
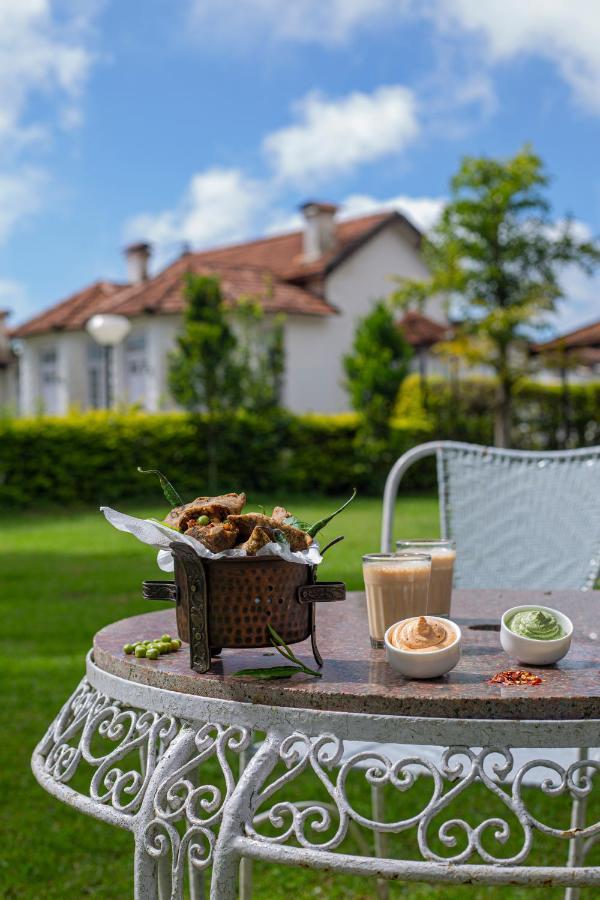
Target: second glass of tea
443,555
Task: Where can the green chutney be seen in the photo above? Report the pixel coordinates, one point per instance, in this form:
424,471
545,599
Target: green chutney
537,624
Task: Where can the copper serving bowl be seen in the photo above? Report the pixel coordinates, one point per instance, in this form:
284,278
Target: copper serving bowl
229,602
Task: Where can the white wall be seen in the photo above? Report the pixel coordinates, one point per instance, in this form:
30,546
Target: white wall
316,347
162,331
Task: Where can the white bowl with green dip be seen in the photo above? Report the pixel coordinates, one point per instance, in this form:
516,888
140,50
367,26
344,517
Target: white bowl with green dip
536,635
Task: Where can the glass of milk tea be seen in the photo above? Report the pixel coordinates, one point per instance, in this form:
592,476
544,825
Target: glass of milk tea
443,554
397,587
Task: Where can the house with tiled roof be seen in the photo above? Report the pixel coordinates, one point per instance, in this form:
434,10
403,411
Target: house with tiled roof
578,351
323,278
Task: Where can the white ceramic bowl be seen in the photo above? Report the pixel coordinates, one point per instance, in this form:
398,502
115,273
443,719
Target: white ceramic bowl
423,663
533,651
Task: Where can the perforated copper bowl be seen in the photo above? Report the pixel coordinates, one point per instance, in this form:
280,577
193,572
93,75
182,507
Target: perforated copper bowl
230,602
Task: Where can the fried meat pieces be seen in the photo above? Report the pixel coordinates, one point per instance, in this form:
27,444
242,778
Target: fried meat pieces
247,522
260,537
216,508
228,527
215,537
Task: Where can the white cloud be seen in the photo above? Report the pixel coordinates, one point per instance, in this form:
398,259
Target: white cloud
43,58
565,32
219,205
41,54
303,21
335,136
422,211
20,197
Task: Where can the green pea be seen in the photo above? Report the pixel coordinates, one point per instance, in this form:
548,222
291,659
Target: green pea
152,653
166,637
128,648
175,644
140,651
202,520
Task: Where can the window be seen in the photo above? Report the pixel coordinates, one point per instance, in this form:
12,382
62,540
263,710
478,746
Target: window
96,369
48,372
136,369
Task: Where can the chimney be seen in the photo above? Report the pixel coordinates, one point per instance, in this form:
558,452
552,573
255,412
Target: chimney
319,229
138,256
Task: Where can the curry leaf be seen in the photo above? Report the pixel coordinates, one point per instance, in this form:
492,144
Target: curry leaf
287,652
296,523
314,529
272,672
279,671
169,491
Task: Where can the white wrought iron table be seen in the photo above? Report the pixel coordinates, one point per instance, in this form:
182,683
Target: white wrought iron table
139,742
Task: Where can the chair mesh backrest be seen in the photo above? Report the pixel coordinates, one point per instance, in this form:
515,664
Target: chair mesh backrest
521,520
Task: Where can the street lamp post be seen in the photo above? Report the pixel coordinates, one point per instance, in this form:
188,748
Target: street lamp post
108,331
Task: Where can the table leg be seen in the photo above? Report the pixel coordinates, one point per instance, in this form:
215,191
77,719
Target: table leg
578,812
240,809
164,878
245,875
196,879
379,837
149,867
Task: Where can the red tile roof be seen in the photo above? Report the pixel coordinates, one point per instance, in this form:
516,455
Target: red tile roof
421,331
588,336
270,268
72,314
282,254
163,294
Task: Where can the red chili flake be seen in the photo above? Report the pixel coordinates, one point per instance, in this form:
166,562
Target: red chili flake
515,676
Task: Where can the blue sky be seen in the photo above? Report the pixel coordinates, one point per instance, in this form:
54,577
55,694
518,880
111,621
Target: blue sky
206,121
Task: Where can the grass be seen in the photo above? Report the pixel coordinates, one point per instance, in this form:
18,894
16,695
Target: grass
67,573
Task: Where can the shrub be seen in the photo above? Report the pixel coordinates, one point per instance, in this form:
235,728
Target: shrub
463,411
93,457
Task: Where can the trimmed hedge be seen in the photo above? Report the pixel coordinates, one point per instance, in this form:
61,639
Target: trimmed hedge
544,417
93,457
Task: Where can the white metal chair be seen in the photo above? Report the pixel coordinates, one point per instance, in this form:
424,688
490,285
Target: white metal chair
520,519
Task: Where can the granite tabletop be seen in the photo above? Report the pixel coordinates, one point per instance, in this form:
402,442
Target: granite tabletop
358,679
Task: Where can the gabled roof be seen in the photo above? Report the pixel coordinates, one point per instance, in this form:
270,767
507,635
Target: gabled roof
72,314
271,268
282,253
421,331
587,336
163,294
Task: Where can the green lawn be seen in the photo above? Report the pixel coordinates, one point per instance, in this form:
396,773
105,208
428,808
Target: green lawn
64,575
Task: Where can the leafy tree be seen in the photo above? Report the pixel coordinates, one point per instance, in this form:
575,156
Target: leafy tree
496,255
218,368
375,369
261,352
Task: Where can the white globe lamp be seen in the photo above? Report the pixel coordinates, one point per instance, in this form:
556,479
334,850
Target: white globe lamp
108,330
